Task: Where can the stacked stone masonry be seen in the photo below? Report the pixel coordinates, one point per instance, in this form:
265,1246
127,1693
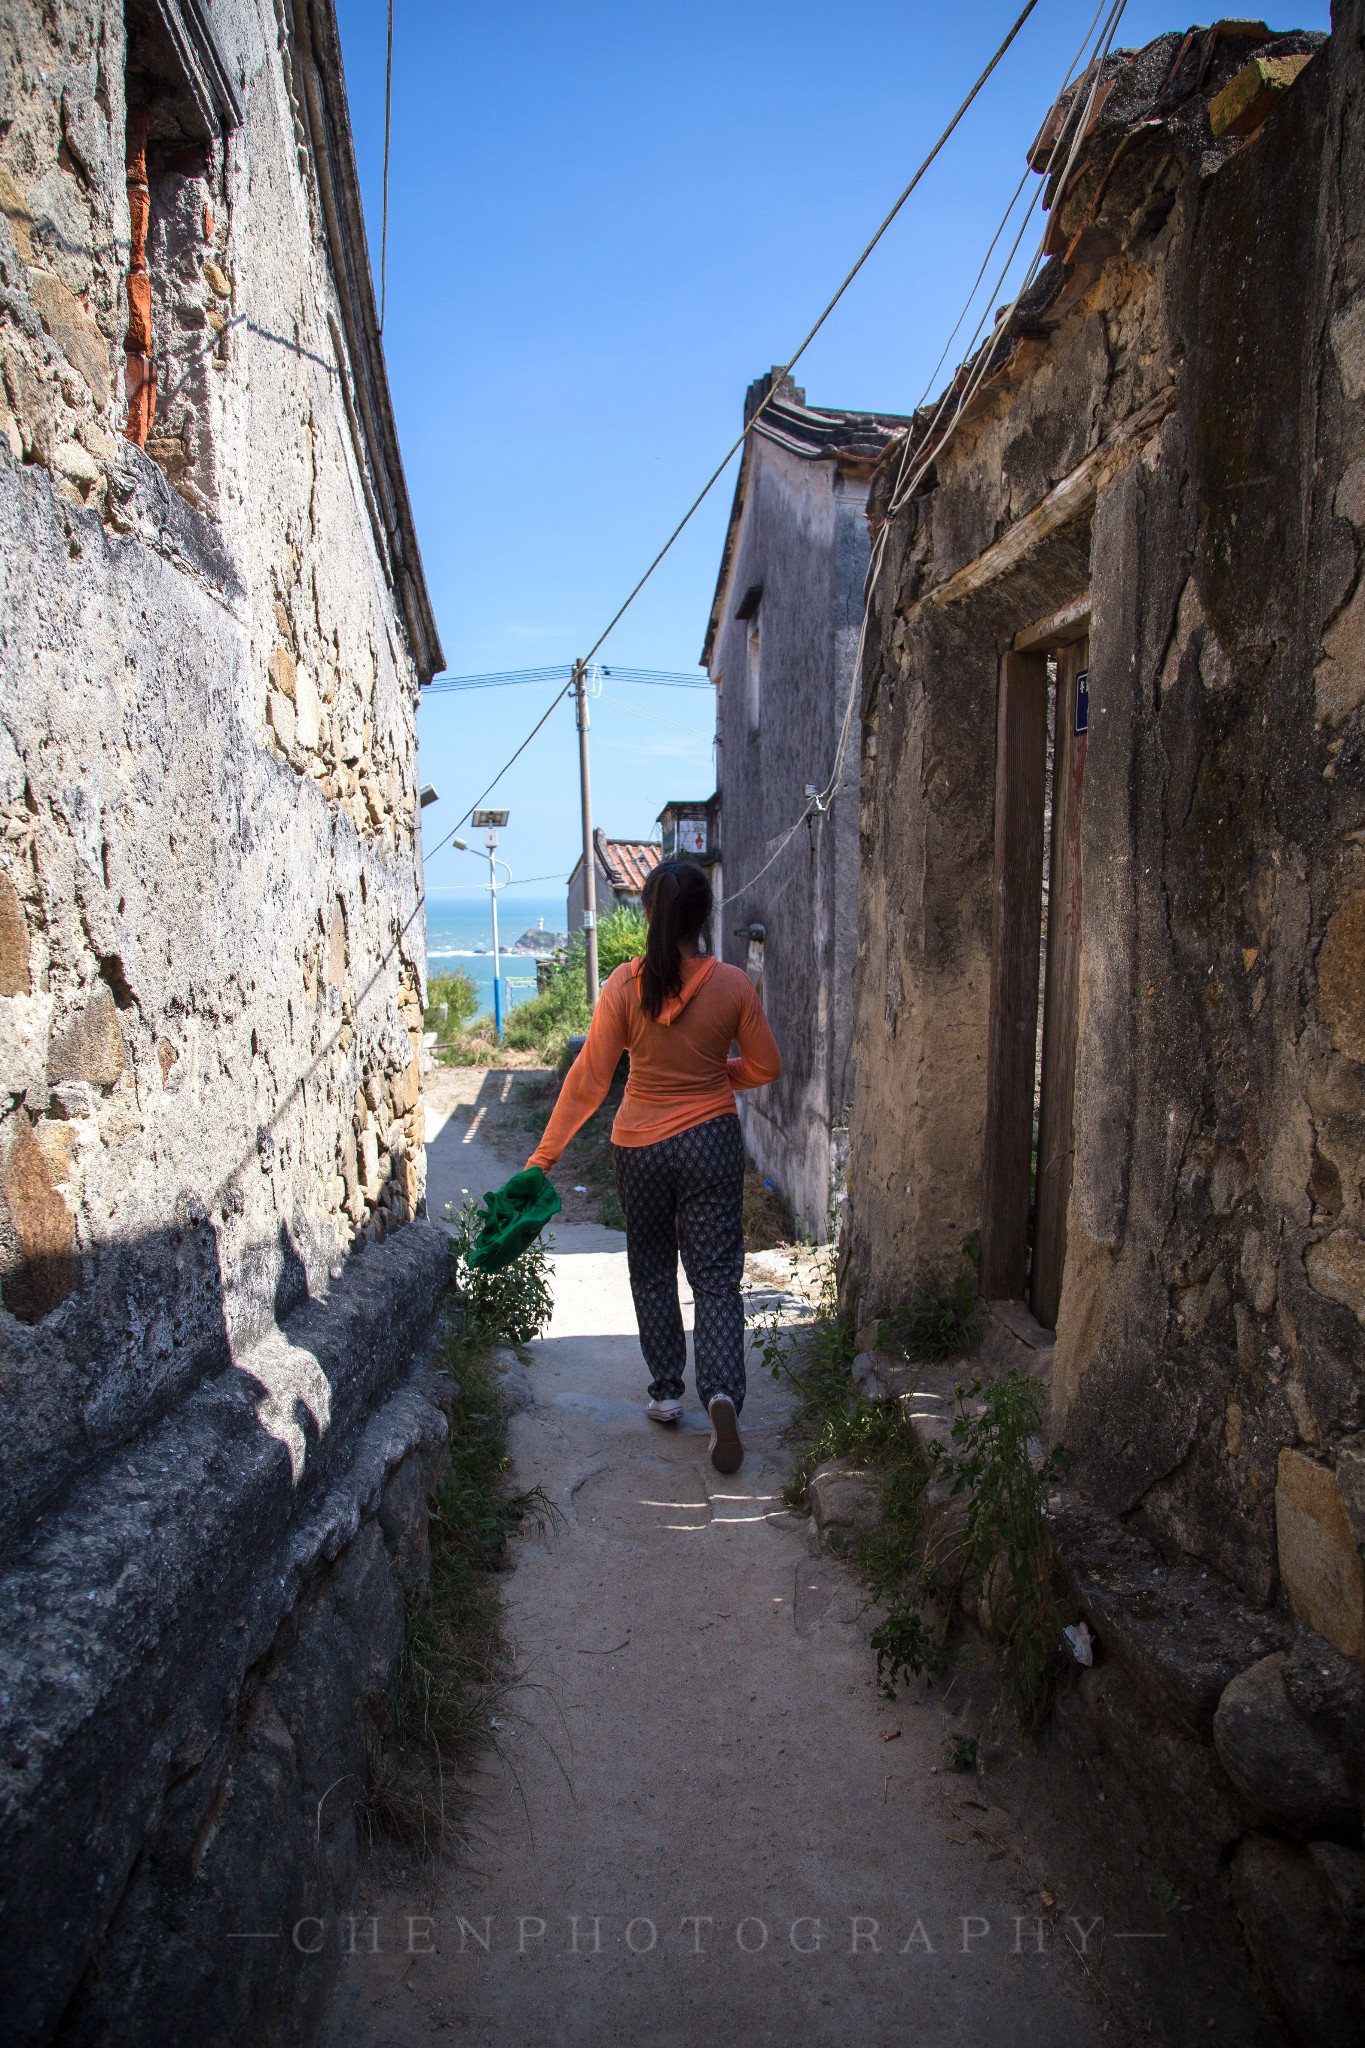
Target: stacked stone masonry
214,626
1166,450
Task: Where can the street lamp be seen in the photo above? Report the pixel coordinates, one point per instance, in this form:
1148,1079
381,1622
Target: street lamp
490,823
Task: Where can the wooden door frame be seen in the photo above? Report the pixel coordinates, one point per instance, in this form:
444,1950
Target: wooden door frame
1016,924
1016,932
1056,1105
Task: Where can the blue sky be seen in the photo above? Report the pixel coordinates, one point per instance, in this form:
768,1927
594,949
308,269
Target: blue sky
604,221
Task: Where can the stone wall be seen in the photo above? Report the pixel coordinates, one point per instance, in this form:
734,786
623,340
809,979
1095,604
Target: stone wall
211,929
1172,430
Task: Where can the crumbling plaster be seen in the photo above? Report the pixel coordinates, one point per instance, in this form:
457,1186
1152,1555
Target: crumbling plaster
215,1284
1174,428
1213,1278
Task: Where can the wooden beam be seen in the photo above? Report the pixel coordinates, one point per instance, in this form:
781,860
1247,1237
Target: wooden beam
1066,503
1072,622
1016,916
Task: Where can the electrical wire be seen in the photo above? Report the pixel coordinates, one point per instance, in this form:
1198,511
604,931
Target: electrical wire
755,416
498,679
544,719
702,738
384,227
795,358
905,487
481,888
820,802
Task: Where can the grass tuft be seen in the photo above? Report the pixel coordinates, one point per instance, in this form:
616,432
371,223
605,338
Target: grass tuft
940,1320
457,1667
1000,1551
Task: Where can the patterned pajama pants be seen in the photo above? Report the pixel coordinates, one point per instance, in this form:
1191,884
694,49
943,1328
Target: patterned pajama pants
686,1195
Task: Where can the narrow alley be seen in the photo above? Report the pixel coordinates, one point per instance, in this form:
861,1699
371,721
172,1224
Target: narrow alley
676,639
696,1771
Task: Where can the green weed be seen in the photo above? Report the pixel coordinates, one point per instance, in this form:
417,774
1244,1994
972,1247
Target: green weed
510,1307
941,1319
964,1755
1006,1544
456,1665
1002,1549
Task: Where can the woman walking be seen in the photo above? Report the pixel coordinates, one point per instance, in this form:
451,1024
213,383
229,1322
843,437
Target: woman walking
675,1145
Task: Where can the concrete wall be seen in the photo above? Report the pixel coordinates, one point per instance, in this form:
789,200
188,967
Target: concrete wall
608,899
1180,431
211,963
802,535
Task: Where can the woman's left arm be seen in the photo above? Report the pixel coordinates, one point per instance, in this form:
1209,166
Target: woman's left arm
588,1079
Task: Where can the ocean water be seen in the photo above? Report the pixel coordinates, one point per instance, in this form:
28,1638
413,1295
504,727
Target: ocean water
460,938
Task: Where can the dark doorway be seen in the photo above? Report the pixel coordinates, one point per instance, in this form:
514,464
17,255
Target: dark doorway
1061,984
1042,725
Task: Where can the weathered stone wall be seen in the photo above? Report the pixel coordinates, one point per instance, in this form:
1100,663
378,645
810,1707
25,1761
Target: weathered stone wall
1210,1233
1175,427
211,933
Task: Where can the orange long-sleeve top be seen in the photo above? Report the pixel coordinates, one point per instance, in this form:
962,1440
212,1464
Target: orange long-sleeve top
681,1069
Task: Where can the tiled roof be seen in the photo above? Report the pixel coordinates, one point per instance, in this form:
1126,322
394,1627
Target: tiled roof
628,862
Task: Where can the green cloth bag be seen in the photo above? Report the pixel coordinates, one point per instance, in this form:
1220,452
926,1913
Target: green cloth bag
512,1217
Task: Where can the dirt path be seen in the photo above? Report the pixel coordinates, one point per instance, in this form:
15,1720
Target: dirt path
707,1826
471,1143
482,1123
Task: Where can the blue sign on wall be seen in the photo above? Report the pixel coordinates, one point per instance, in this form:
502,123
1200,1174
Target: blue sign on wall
1082,701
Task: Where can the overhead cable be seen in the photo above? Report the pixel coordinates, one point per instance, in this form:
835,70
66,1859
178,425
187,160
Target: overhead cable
498,679
759,410
796,356
703,738
906,485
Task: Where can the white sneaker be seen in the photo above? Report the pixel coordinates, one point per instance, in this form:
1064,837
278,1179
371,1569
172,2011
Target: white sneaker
664,1411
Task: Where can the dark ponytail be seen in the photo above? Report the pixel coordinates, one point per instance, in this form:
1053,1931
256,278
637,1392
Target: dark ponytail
677,898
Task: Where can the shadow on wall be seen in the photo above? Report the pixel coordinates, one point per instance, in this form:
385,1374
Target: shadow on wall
198,1627
98,1347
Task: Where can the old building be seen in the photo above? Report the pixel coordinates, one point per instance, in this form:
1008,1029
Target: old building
781,645
621,870
1126,599
689,829
214,625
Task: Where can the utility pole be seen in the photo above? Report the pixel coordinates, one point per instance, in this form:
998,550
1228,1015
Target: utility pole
589,852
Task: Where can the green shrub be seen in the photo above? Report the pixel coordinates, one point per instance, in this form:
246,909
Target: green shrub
545,1024
510,1307
1003,1550
620,937
452,1000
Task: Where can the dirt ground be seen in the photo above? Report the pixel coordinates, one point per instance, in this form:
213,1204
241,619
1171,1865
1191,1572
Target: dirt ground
704,1824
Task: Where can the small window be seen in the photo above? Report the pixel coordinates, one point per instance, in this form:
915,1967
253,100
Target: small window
748,611
180,103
